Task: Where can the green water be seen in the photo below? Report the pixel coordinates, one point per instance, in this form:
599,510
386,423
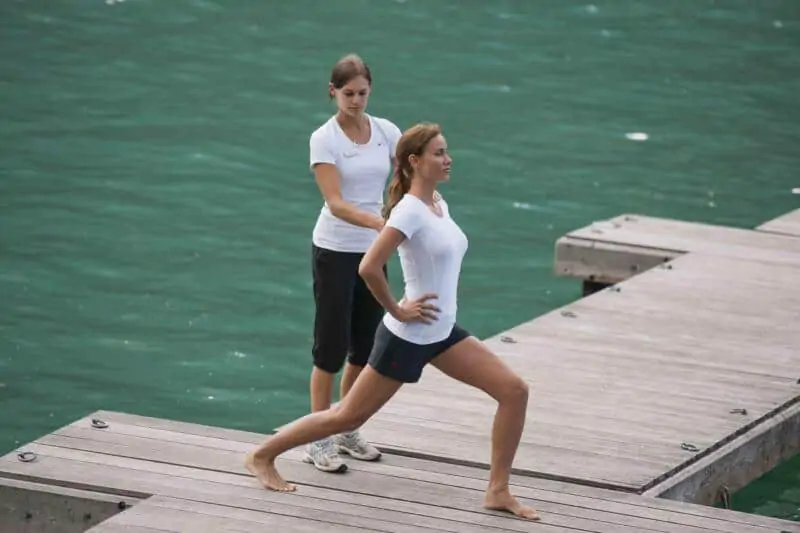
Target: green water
156,207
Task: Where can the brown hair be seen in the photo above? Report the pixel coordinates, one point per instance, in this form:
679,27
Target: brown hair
347,69
413,142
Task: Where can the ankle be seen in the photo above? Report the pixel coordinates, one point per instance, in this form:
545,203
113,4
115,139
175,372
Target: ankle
497,488
263,456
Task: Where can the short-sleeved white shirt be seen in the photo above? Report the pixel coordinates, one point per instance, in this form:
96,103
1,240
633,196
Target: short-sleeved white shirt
430,258
363,170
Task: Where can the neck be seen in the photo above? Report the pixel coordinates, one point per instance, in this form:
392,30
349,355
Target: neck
349,121
423,190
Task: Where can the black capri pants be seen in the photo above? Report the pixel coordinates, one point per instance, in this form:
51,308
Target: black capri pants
347,314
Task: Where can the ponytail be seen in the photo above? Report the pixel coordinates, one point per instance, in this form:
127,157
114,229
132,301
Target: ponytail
412,142
398,187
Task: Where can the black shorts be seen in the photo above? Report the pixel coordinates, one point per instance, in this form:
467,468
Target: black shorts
404,361
346,312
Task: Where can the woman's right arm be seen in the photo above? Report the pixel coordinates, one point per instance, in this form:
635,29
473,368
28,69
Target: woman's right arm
329,184
371,271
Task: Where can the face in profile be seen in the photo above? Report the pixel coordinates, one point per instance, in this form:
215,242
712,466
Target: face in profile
435,161
352,97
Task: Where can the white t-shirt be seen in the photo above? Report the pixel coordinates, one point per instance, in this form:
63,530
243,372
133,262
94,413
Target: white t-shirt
431,261
363,170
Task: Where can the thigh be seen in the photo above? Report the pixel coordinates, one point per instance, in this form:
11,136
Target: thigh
334,285
367,314
369,393
471,362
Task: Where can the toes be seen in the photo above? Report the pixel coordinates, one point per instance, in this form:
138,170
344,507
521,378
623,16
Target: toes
527,512
515,508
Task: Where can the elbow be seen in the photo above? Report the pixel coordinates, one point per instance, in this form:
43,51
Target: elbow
367,270
337,208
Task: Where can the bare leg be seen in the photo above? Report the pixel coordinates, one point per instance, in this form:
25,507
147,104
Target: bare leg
321,389
349,376
472,363
370,391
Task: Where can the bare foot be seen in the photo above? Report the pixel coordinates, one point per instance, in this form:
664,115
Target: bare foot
502,500
267,475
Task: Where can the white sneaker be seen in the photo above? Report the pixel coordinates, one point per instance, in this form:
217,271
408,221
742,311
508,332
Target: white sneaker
354,445
322,454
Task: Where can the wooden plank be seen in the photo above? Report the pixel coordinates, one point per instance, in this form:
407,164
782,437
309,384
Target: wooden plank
234,440
450,433
401,499
578,468
174,514
38,508
738,461
590,419
233,490
590,348
451,501
110,527
788,224
606,262
613,250
620,442
679,235
420,493
165,435
126,433
248,438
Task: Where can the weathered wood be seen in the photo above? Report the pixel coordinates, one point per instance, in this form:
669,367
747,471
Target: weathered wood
232,489
735,464
442,473
27,507
114,527
388,504
127,429
398,493
613,250
605,263
788,224
174,514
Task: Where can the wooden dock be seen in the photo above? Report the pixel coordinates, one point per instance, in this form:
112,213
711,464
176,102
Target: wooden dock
610,251
163,476
788,224
672,388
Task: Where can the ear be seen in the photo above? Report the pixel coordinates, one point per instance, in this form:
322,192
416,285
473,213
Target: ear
331,90
413,160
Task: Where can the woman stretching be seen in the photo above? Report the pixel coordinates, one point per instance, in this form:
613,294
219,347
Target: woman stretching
419,329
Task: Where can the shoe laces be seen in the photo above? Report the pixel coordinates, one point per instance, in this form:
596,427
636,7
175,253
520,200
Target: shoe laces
356,440
325,448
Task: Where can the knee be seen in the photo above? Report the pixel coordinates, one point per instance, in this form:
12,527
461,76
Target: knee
348,419
516,391
327,364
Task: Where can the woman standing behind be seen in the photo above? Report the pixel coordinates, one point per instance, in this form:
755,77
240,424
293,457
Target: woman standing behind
351,157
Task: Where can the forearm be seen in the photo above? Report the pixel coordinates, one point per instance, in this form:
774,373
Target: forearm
377,283
350,213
